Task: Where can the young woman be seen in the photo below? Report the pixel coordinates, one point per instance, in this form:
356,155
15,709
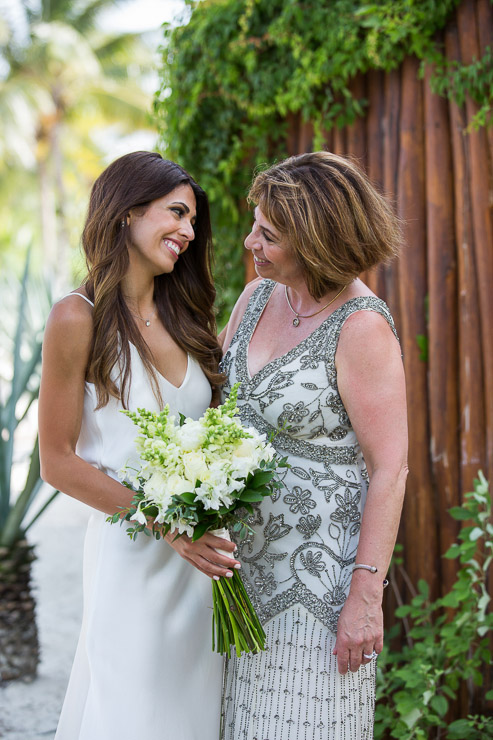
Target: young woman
139,332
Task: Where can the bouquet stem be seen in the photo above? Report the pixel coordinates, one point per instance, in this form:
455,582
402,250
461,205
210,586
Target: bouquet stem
235,622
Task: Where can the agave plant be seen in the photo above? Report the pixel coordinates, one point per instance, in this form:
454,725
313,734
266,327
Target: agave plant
24,307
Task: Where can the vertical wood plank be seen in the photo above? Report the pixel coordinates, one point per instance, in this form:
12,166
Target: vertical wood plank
391,141
420,515
356,132
442,322
305,143
481,220
374,157
339,141
293,137
484,16
470,383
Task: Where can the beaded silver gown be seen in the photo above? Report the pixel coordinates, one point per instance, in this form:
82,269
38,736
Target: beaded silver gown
297,563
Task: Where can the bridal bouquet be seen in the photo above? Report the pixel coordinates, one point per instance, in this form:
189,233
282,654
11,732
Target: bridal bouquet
203,476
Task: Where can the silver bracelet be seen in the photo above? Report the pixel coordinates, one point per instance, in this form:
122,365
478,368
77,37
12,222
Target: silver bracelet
371,568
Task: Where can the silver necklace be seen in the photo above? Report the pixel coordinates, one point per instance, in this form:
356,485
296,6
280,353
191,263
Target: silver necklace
147,322
298,316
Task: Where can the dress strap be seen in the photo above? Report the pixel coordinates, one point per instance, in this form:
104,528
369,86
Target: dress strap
82,296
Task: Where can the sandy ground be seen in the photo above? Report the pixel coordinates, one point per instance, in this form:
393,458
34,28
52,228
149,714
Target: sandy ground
29,711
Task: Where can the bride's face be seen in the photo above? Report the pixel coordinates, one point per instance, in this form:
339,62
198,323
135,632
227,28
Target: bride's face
160,235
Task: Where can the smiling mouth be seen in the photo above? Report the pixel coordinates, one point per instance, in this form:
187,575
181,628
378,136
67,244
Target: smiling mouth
260,262
172,246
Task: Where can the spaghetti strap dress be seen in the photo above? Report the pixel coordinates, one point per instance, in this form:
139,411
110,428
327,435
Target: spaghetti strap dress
144,667
297,559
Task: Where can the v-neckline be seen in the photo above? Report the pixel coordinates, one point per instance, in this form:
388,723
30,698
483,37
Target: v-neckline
296,346
163,377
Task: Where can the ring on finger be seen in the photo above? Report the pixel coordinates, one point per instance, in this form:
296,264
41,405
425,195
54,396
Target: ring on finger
370,657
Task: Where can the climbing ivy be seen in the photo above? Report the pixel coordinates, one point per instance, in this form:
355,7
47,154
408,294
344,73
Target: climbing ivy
232,75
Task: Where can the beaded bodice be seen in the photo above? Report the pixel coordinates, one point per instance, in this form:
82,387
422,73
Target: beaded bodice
304,538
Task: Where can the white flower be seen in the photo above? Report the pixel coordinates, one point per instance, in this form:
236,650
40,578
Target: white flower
209,496
159,446
156,485
246,448
140,517
195,466
182,526
177,485
191,435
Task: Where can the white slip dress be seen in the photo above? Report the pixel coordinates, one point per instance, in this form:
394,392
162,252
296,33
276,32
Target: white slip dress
144,667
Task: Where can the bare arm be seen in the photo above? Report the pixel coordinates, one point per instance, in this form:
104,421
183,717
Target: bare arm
371,384
66,350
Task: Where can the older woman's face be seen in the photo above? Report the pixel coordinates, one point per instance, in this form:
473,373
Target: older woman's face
271,253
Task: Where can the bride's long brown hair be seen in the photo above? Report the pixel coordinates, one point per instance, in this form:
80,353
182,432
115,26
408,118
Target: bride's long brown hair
184,298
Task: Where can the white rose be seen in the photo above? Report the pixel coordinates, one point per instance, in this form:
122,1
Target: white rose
241,467
177,485
156,485
195,466
246,448
190,435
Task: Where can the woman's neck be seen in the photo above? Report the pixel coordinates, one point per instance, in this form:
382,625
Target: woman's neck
138,294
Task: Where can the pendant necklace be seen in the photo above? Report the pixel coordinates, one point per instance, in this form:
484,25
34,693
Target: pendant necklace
298,316
147,322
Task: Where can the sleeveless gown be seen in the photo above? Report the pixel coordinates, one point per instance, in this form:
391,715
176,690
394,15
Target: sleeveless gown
144,666
297,561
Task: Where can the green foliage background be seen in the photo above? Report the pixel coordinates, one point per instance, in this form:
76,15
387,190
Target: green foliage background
233,73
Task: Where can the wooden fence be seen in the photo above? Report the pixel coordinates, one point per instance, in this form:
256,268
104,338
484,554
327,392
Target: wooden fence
414,147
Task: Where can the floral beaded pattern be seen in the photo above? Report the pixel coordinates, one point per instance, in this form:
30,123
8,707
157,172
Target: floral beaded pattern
304,538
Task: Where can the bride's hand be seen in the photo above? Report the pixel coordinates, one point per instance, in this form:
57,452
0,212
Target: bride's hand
203,556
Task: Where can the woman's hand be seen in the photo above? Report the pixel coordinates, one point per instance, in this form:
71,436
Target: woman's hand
359,631
203,556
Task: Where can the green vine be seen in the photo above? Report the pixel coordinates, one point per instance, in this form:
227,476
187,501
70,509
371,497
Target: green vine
233,74
446,644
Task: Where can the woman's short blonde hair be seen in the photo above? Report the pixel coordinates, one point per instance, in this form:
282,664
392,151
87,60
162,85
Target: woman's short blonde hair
331,216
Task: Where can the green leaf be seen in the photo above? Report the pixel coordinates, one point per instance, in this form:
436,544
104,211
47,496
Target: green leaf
412,717
261,479
187,498
453,552
451,599
439,704
459,729
458,512
252,496
475,534
200,530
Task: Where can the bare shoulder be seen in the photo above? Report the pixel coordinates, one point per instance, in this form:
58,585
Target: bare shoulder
367,338
70,329
366,326
238,311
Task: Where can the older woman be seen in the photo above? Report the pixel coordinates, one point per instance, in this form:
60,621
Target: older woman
320,366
